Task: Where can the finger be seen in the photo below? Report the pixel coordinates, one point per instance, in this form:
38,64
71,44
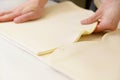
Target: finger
105,25
90,20
93,18
8,17
5,12
25,17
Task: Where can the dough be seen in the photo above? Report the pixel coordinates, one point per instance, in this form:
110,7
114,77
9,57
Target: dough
59,25
90,60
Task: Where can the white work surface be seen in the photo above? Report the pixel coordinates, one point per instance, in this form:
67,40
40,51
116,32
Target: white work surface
16,64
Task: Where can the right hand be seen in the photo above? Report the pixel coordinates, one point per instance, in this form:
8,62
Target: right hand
108,16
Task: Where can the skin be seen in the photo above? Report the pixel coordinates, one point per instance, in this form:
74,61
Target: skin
30,10
107,16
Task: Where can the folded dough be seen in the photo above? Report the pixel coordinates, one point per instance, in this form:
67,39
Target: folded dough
90,60
59,25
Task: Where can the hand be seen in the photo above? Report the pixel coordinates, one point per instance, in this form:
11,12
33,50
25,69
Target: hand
108,16
30,10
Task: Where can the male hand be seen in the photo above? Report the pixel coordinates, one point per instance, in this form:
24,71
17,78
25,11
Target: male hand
107,16
30,10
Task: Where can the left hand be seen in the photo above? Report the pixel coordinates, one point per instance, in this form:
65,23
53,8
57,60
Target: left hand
30,10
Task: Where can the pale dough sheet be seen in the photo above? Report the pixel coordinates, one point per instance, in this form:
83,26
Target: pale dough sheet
90,60
94,58
59,25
